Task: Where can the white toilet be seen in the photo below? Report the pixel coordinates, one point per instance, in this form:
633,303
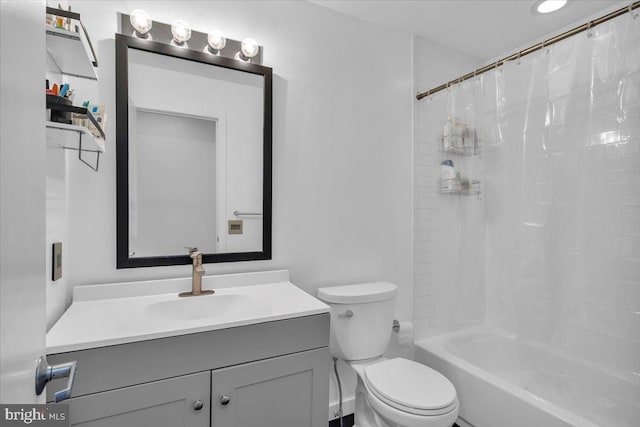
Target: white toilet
390,392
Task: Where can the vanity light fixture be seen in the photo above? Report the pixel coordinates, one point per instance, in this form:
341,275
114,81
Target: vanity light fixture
181,31
142,23
248,49
542,7
216,42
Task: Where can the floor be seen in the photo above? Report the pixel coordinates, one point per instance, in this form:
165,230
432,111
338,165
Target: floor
347,421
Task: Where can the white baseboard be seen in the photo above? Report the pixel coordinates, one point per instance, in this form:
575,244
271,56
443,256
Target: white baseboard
348,406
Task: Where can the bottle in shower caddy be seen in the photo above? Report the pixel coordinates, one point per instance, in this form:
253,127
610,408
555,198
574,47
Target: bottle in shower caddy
448,177
447,135
458,137
459,132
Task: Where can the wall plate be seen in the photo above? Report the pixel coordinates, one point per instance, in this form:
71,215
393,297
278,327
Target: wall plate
56,261
235,226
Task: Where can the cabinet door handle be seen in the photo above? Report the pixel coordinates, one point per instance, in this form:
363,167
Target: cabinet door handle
197,405
224,400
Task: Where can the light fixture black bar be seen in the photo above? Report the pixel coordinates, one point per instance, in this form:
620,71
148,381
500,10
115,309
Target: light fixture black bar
534,48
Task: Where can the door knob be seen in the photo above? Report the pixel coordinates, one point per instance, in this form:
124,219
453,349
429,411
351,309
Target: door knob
46,373
224,400
197,405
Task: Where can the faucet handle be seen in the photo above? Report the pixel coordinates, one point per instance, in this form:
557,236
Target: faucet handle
191,250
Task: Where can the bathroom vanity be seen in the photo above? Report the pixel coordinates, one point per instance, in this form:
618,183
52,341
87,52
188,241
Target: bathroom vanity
258,357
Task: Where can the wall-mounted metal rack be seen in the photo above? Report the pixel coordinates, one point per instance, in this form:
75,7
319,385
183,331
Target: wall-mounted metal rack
461,187
93,138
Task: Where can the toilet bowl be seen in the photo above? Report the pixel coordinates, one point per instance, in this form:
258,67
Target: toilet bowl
390,392
402,393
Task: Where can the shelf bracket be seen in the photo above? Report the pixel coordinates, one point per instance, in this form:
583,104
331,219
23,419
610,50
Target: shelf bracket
80,150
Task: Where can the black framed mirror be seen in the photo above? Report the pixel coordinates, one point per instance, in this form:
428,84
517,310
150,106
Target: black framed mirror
193,155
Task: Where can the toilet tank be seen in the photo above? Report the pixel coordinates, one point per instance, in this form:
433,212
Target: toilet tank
361,318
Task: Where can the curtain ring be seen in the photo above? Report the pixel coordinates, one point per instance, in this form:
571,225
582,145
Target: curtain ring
518,58
589,33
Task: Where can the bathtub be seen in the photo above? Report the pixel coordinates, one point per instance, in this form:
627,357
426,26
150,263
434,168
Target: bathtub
503,382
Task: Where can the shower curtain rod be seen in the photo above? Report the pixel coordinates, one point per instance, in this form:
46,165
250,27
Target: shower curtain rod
534,48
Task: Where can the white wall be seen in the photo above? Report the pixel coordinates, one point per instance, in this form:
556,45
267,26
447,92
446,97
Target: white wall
438,273
342,146
57,217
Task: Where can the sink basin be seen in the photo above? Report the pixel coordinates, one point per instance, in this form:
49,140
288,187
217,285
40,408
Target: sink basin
195,308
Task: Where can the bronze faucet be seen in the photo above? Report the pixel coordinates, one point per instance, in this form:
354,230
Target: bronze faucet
196,275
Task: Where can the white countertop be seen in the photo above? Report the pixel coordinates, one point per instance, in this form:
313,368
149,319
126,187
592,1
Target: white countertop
103,315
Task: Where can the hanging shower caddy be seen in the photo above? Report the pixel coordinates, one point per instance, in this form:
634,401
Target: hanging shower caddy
457,141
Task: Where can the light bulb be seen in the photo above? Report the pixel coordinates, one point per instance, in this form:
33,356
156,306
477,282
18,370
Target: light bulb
181,31
216,41
141,22
249,48
548,6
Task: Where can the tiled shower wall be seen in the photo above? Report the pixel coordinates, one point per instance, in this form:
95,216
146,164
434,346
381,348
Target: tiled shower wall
438,218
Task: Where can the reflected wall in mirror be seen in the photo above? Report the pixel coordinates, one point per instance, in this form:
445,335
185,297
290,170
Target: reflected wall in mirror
193,155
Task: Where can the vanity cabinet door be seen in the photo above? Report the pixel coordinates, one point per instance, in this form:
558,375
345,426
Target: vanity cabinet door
287,391
176,402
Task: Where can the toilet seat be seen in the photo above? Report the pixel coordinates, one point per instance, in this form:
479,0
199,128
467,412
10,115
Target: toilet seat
410,387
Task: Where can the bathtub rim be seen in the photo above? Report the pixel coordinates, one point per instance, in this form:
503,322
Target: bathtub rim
436,346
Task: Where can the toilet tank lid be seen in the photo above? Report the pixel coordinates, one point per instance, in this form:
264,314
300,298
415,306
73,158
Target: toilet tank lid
358,294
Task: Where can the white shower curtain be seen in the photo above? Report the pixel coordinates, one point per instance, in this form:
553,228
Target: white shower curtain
551,251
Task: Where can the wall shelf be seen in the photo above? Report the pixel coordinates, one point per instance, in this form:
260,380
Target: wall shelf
71,51
94,145
89,140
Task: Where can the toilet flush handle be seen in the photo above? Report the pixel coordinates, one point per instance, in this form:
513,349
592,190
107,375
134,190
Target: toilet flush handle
347,313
